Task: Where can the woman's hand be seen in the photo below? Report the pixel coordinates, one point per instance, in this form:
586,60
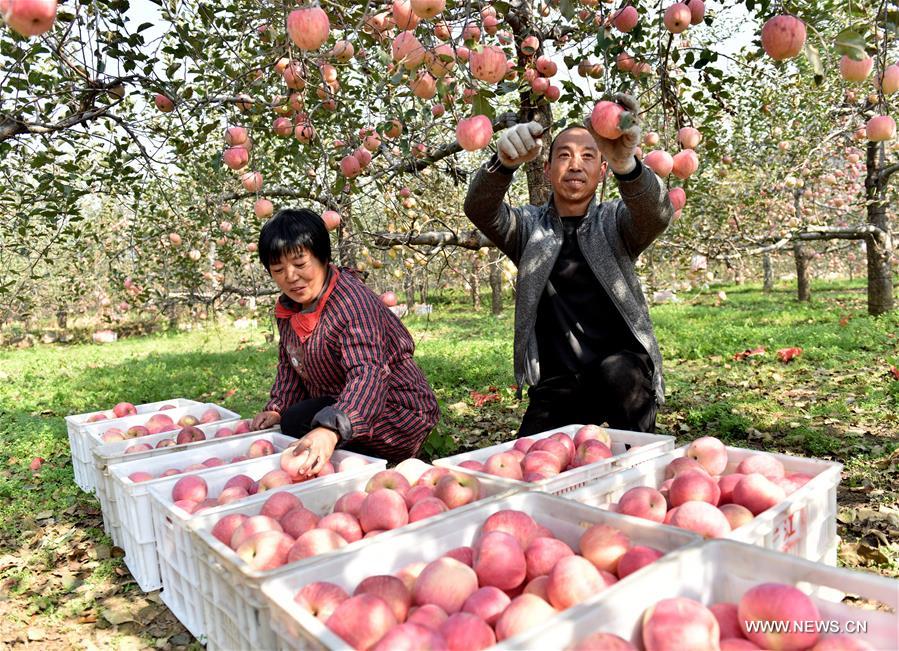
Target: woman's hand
317,446
265,419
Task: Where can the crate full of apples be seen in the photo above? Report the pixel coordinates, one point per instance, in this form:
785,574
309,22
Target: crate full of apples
780,502
472,578
190,436
729,596
564,459
75,425
178,497
245,544
130,483
140,425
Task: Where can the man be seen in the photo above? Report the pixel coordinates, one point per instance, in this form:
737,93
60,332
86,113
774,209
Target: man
583,337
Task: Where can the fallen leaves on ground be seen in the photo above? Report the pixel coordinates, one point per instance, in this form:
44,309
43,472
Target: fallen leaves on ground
749,352
787,354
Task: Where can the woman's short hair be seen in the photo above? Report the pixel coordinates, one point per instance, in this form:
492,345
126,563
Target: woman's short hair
289,231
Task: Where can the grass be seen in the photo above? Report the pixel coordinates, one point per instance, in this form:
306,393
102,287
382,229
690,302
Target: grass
837,401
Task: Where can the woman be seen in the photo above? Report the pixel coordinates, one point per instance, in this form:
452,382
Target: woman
345,372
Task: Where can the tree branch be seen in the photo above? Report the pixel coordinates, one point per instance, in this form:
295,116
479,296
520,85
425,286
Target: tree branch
472,240
888,171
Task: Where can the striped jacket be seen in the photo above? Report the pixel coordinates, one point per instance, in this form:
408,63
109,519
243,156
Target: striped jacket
361,354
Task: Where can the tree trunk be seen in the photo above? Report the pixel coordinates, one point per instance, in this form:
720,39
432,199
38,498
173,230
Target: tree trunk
170,309
475,282
879,245
496,286
62,318
409,287
346,247
768,270
802,271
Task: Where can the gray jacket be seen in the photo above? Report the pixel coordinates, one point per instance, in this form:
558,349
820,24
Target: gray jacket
611,236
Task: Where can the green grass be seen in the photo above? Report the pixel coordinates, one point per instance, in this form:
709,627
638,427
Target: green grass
836,401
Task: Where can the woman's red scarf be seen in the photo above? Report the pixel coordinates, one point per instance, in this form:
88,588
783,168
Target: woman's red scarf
303,323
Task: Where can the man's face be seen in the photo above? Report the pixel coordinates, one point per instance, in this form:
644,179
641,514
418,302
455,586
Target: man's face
575,168
300,275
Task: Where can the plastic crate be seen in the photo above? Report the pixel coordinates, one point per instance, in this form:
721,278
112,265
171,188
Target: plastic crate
178,548
296,629
93,432
236,613
628,449
717,571
804,524
109,454
75,426
132,500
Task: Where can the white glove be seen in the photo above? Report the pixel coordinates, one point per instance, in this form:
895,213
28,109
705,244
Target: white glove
520,144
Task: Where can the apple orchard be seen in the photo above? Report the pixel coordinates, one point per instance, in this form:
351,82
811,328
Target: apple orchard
142,150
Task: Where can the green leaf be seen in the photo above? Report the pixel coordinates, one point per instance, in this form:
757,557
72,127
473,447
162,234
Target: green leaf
481,106
814,60
851,43
567,9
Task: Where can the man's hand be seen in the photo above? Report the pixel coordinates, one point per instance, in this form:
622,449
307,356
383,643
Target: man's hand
519,144
620,152
265,419
317,446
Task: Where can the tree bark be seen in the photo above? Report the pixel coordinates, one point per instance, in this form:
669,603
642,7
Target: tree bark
409,287
496,286
768,271
346,247
475,282
879,245
802,272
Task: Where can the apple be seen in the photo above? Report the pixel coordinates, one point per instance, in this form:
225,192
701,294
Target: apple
313,543
457,489
606,641
223,432
112,435
96,418
350,503
677,624
763,464
565,440
391,589
251,526
592,432
273,479
516,523
604,545
187,420
757,493
361,620
726,484
190,488
123,409
635,558
471,464
503,464
709,452
136,431
232,494
426,508
224,529
736,515
591,452
261,448
409,573
138,447
829,643
462,554
643,502
344,524
140,476
728,620
525,612
446,583
320,599
555,448
278,504
243,427
298,521
541,462
543,553
431,477
244,481
693,485
211,415
348,464
417,494
170,472
523,444
411,637
266,550
159,423
702,518
188,506
429,616
465,631
778,602
499,561
573,580
388,479
681,464
383,509
488,603
165,443
538,586
213,462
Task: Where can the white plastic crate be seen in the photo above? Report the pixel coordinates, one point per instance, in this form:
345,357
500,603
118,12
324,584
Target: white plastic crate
75,426
628,449
236,613
804,524
109,454
93,432
295,629
717,571
178,549
132,500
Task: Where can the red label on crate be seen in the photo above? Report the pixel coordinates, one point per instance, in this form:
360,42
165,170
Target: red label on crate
788,531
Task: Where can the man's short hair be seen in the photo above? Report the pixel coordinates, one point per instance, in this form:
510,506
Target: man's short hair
552,144
289,231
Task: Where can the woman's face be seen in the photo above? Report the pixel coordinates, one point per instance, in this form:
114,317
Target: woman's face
300,275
